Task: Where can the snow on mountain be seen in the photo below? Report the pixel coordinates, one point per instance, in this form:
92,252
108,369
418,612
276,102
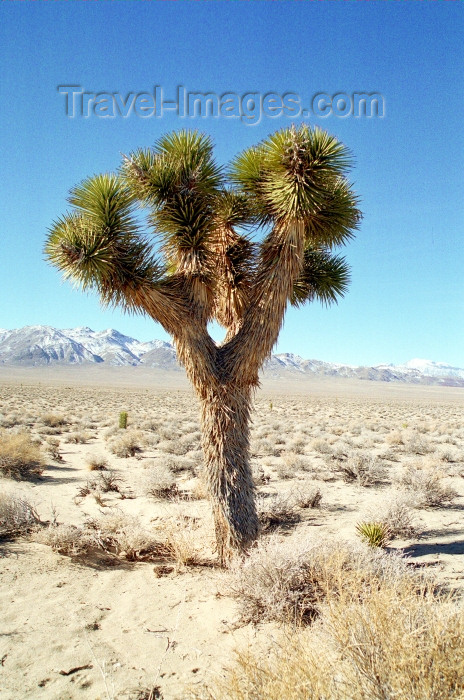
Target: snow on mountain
434,369
42,345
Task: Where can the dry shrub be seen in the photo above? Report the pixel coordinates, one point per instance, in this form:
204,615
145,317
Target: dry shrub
180,464
290,580
159,481
276,510
362,468
97,463
124,535
395,512
66,539
259,475
20,457
17,515
291,463
416,443
425,482
128,444
78,438
184,539
307,495
53,420
394,644
52,446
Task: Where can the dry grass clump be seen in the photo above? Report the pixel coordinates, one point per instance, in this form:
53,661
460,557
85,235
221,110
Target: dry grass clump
276,510
394,644
17,516
129,444
159,481
425,482
285,581
20,457
361,468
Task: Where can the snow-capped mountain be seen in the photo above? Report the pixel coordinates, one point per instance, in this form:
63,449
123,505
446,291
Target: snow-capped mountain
44,345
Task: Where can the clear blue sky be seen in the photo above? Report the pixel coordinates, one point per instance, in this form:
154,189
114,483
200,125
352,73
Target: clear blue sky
407,294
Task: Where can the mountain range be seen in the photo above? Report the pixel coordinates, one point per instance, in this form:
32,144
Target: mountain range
44,345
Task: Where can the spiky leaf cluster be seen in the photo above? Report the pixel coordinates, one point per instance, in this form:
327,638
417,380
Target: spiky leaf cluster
294,181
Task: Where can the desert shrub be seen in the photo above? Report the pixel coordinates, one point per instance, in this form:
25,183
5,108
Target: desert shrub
182,539
321,446
179,464
361,468
289,581
124,535
375,534
396,438
78,438
52,446
20,457
66,539
17,515
276,510
259,475
393,644
450,455
265,447
53,420
417,444
291,463
307,495
108,480
127,445
159,482
96,463
426,485
395,513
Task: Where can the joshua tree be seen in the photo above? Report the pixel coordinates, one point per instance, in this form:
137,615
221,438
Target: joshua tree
200,264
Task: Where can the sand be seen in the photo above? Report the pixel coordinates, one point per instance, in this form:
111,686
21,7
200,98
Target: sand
103,627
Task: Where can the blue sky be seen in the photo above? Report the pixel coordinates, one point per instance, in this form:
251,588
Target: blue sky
407,294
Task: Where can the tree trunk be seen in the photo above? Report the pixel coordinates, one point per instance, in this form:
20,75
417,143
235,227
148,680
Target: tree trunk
225,417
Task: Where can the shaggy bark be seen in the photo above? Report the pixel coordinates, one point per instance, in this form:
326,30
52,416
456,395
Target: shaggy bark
225,418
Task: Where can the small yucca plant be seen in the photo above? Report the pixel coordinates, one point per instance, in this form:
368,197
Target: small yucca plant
375,534
123,420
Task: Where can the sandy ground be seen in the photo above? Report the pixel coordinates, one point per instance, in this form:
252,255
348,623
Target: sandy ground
99,626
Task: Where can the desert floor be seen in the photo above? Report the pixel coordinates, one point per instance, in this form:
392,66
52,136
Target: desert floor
326,455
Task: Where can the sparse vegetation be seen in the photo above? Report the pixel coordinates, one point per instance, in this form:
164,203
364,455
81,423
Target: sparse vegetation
148,560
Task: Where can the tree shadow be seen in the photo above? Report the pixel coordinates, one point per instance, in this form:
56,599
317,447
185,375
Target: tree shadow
421,549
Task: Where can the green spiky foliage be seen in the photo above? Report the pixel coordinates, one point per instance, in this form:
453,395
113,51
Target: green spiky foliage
374,534
233,245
